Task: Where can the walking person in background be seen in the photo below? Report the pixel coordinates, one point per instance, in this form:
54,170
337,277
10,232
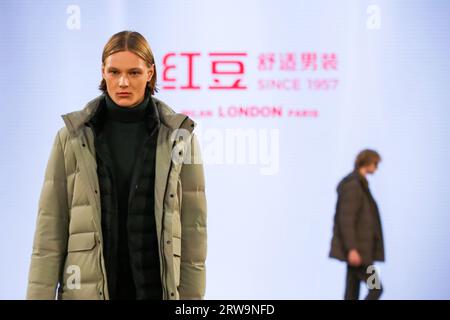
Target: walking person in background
357,233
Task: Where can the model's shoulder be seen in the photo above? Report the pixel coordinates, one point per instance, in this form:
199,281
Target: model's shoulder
163,107
171,118
76,119
350,181
63,134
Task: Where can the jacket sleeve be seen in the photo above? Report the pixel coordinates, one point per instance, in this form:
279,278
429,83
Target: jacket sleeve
349,204
50,239
193,227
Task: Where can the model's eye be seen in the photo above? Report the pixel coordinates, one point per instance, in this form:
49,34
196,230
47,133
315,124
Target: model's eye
134,73
113,72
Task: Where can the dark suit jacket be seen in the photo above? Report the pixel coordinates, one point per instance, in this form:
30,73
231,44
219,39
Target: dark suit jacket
357,223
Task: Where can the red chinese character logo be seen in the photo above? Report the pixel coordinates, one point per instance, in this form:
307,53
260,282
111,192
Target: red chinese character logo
170,82
237,71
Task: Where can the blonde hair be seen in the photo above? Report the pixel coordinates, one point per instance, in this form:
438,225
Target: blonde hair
134,42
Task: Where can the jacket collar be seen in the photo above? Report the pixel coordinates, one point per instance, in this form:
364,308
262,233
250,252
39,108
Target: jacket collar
165,115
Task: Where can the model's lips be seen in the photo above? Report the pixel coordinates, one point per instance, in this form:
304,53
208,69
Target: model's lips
123,94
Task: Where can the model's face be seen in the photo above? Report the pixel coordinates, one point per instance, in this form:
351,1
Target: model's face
126,76
371,168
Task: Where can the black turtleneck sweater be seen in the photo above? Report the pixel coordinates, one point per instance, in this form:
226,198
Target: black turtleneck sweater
125,130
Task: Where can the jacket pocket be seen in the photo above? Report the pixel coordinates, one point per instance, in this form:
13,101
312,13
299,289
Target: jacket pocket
82,277
81,242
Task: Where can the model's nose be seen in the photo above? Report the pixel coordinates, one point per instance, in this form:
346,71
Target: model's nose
123,81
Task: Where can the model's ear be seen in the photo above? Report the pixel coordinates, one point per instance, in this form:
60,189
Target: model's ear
150,73
103,71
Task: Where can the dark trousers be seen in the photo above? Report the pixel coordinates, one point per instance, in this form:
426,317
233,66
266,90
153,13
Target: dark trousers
356,275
